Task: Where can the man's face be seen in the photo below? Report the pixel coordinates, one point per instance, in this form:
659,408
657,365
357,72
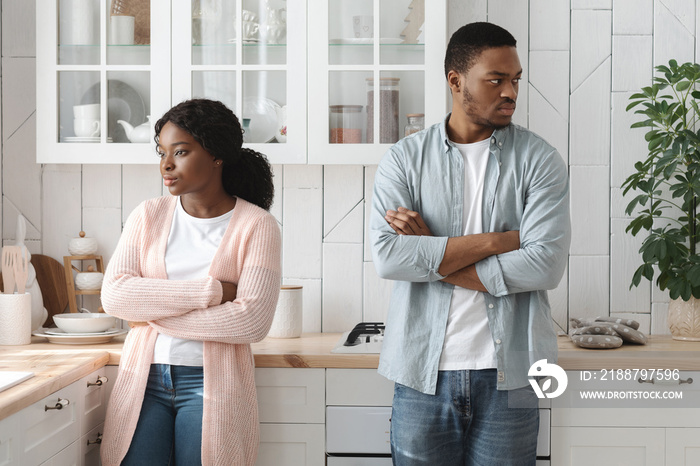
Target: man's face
489,89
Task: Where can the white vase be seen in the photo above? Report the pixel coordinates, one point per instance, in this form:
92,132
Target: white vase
15,319
684,319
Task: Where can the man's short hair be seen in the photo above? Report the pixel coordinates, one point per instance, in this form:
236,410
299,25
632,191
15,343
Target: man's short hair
470,40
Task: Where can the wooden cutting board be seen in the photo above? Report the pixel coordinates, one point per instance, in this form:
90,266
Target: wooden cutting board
51,277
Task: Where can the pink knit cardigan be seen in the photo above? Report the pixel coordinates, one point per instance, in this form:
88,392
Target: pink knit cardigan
136,288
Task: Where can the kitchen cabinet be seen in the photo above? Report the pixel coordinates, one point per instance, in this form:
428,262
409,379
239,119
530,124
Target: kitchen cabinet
404,53
188,49
291,405
259,58
42,433
664,432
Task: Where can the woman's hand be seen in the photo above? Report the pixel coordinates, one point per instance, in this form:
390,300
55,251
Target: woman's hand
407,222
229,292
137,324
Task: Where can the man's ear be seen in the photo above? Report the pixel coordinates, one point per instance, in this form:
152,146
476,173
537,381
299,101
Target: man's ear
454,80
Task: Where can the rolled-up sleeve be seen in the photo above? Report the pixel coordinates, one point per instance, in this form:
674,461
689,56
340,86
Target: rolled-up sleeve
400,257
545,236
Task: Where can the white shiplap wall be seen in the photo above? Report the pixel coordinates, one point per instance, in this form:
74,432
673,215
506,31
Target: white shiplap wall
582,59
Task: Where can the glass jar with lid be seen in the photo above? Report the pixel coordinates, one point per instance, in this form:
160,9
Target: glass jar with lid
416,122
346,124
388,110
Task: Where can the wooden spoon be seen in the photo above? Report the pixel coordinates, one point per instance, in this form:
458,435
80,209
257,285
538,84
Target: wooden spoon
8,273
21,268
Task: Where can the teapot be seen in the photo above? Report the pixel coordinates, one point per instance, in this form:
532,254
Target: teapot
281,133
141,133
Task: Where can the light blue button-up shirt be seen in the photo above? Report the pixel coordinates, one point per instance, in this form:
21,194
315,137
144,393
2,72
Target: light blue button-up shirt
527,189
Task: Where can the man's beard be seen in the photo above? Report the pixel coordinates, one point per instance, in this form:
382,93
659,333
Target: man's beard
467,104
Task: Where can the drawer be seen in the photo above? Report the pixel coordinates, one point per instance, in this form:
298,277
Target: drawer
358,429
291,395
358,387
90,446
48,431
543,435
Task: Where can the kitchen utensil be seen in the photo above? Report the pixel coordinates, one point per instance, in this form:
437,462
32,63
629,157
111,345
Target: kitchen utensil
85,127
51,277
8,274
84,323
363,26
121,30
90,280
15,319
21,268
140,133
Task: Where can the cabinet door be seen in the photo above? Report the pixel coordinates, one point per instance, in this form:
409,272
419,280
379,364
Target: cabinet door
10,440
291,445
90,447
69,456
682,447
100,62
358,387
291,395
353,45
47,431
250,55
607,446
93,390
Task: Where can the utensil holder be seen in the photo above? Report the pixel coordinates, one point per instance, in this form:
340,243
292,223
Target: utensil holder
15,319
287,322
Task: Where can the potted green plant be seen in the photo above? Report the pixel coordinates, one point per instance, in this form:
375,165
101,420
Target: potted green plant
667,183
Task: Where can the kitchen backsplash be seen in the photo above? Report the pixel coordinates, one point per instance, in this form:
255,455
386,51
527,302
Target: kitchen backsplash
582,60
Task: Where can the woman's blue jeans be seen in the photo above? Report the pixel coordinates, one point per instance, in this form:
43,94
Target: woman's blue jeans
169,430
467,422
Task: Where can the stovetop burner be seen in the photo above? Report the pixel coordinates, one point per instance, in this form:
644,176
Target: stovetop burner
366,337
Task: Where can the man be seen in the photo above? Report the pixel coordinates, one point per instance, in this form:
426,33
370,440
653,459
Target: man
471,218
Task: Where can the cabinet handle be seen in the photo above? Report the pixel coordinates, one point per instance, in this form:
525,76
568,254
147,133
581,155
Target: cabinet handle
97,441
60,404
101,379
689,381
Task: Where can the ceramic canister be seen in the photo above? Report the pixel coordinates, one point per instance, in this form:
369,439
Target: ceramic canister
15,319
288,315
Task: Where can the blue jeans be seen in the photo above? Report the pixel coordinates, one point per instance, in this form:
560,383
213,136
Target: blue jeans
169,430
466,422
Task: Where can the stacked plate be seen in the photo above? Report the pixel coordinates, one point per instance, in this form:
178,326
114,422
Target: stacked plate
83,139
56,335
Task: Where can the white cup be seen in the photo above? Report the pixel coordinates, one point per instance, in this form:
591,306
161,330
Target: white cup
121,30
363,25
84,127
89,111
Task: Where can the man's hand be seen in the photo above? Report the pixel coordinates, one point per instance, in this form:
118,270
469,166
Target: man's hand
407,222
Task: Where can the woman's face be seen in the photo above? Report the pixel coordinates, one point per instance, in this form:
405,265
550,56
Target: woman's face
185,165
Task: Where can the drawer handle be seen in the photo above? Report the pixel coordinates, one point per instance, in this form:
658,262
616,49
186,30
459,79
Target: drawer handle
101,379
689,381
97,441
60,404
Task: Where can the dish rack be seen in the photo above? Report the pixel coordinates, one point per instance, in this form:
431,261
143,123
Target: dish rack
141,11
70,280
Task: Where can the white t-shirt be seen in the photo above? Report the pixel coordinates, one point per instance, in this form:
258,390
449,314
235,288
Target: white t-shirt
468,343
192,244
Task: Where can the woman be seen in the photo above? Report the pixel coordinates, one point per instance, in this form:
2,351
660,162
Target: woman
197,274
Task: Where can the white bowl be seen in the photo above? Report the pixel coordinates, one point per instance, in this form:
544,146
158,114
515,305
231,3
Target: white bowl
88,280
84,322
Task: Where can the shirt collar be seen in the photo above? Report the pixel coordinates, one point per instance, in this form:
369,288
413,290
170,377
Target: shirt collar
497,137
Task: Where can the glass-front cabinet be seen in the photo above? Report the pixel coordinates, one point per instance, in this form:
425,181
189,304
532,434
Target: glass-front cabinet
108,69
312,81
373,65
103,68
251,55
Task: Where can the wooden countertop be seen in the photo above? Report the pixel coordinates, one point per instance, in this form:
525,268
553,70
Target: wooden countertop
56,366
52,371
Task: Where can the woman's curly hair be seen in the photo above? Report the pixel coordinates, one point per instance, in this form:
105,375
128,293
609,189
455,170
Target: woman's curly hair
246,173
